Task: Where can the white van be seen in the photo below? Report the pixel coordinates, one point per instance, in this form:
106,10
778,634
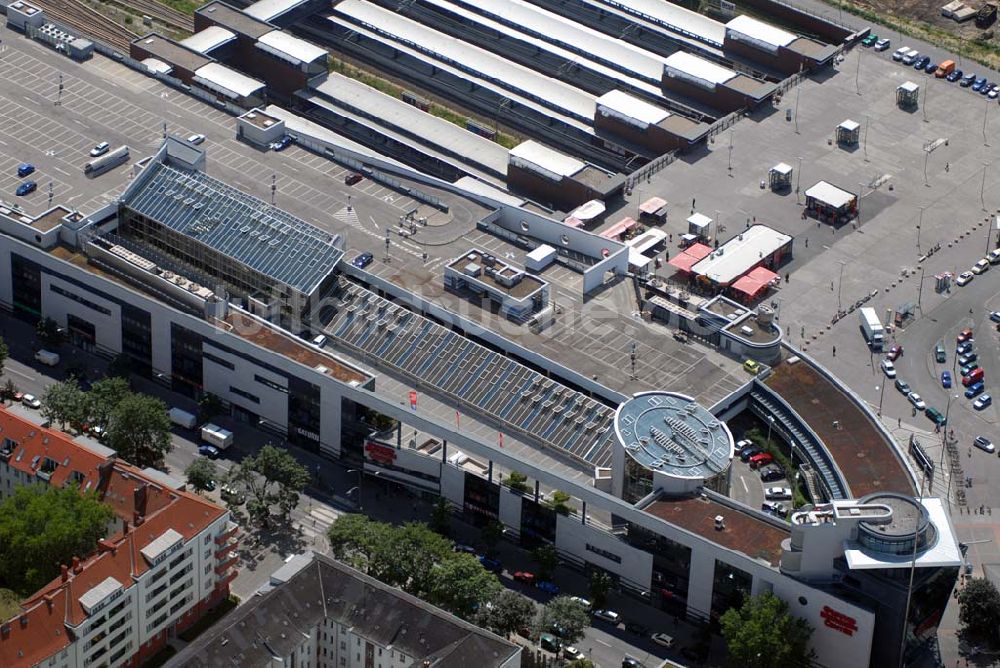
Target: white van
994,256
47,357
911,57
900,53
182,418
319,340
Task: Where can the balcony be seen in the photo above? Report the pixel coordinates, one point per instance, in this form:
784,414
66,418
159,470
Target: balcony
225,565
227,548
223,582
229,533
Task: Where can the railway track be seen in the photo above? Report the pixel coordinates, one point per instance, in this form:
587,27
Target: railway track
160,12
88,22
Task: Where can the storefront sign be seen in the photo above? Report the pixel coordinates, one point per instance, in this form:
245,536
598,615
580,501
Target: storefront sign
382,454
838,621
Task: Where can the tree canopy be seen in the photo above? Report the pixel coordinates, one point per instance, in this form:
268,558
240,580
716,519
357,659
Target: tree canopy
65,404
508,612
415,559
139,430
979,607
201,473
763,633
42,527
272,477
4,352
547,559
568,616
104,396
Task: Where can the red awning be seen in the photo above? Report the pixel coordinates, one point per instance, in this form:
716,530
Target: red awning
764,275
619,228
652,205
755,282
689,257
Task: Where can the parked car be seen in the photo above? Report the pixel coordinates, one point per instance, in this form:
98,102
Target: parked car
352,178
966,360
982,401
777,493
762,459
911,57
994,92
100,149
549,642
25,169
548,587
981,267
920,63
902,386
282,143
637,628
196,139
771,473
935,416
582,601
964,278
995,316
940,356
26,188
946,379
985,444
631,662
609,616
363,260
978,84
888,368
954,76
964,335
31,401
572,653
968,368
774,508
900,53
963,347
752,367
524,576
895,353
209,451
974,377
747,453
916,400
492,565
985,88
741,445
232,496
663,639
882,44
974,389
930,68
967,80
869,40
459,547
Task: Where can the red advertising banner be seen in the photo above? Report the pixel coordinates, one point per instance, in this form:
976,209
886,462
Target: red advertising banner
838,621
382,454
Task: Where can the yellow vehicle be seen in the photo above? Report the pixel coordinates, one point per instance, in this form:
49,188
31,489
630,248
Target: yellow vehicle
752,367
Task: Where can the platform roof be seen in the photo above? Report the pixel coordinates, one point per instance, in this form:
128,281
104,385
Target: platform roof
157,66
699,68
758,30
676,18
171,52
411,121
235,224
227,81
741,253
268,10
831,195
633,107
291,48
534,20
547,158
467,57
208,39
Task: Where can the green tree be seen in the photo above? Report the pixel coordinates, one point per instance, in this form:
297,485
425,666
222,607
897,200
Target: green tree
201,474
209,406
352,537
559,502
517,482
441,516
490,535
272,478
408,556
762,633
506,613
4,352
105,396
600,585
49,333
9,390
461,583
979,607
581,663
566,615
66,404
139,430
42,527
548,560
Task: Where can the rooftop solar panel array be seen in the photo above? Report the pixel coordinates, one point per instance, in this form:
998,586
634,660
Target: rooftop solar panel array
535,408
235,224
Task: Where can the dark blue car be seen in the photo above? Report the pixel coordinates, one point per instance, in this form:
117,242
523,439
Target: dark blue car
974,389
548,587
363,260
492,565
25,169
985,88
954,76
26,188
978,84
946,379
930,68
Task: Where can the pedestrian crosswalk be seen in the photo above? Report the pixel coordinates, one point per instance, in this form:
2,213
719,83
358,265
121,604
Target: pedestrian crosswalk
313,521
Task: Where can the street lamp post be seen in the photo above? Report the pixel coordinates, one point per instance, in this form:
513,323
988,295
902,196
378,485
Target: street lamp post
881,395
361,480
920,224
798,180
770,423
840,283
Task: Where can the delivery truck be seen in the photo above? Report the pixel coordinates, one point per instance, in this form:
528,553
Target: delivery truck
872,328
47,357
217,436
182,418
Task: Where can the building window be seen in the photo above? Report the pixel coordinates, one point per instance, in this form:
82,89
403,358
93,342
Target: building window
270,383
243,393
79,300
218,360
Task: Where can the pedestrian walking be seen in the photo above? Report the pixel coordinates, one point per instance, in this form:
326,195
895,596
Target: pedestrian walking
835,351
899,423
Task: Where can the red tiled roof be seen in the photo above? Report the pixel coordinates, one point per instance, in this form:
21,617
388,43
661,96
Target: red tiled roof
132,495
743,532
867,460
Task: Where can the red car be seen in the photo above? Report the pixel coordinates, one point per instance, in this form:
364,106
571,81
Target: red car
760,460
525,576
895,352
964,335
